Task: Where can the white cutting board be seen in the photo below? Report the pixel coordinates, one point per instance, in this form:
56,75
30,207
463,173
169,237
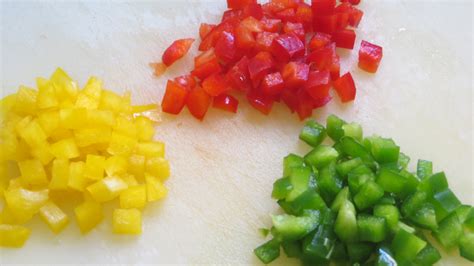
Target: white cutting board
223,168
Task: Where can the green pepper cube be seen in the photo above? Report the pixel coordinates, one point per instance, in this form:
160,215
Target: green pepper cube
359,251
406,246
329,183
425,216
353,130
391,181
403,160
300,179
435,183
345,167
449,231
321,243
424,169
290,227
313,133
268,252
342,196
346,222
464,212
411,184
334,127
445,202
466,246
292,249
308,200
387,200
292,161
281,188
414,202
390,214
353,148
427,256
321,156
371,228
384,150
368,195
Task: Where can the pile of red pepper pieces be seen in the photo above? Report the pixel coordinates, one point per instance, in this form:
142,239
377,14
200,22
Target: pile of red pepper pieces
281,51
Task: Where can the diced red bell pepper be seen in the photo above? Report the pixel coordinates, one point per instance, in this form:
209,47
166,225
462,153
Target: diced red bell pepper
272,84
326,24
206,64
345,87
198,102
231,14
290,98
287,3
186,81
215,85
174,98
252,24
238,76
260,102
264,41
318,84
226,102
319,40
204,29
287,46
342,21
317,103
345,38
321,59
271,8
271,25
285,15
335,67
355,16
305,105
225,48
323,7
204,57
239,4
244,38
214,35
295,28
295,74
304,15
260,65
369,56
176,50
253,10
354,2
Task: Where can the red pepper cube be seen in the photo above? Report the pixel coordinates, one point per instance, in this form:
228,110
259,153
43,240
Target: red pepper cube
319,40
295,74
354,2
231,14
286,15
271,25
318,84
345,87
335,67
326,24
295,28
304,15
323,7
205,70
305,105
215,85
290,98
272,84
253,10
186,81
226,102
176,50
321,59
287,46
205,29
369,56
355,16
317,103
342,21
238,76
252,24
260,65
260,102
345,38
244,38
239,4
225,47
174,98
264,41
198,102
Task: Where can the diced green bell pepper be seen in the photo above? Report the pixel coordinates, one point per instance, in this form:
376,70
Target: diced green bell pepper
342,196
466,246
390,213
387,200
385,257
334,127
414,203
449,231
406,227
359,252
300,178
403,160
391,181
357,181
354,149
313,133
344,168
281,188
427,256
268,252
425,216
329,183
434,183
411,184
289,227
292,249
384,150
308,200
424,169
371,228
346,222
353,130
321,243
466,216
339,253
321,156
406,246
292,161
444,203
368,195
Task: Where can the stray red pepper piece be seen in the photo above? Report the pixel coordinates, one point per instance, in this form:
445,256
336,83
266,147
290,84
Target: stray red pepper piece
176,50
287,46
345,87
226,102
159,68
345,38
215,85
174,98
318,84
369,56
272,84
260,102
295,74
198,102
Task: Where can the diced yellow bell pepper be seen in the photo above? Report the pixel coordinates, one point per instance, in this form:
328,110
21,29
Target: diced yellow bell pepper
6,105
54,217
125,127
143,108
100,118
110,101
129,179
126,105
107,189
77,180
59,175
46,94
133,197
43,154
7,217
32,172
73,118
94,169
89,136
64,85
13,236
116,165
25,101
9,146
93,88
86,102
25,203
121,144
151,149
31,132
158,167
65,149
88,215
145,128
136,165
49,121
15,183
127,221
60,134
155,190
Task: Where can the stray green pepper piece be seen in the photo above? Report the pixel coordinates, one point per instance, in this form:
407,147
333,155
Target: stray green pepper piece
290,227
371,228
390,213
321,156
292,161
353,130
368,195
346,222
466,246
427,256
334,127
345,167
281,188
449,231
424,169
268,251
313,133
406,246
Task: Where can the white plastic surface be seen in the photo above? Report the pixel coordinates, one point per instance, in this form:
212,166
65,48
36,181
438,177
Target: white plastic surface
223,168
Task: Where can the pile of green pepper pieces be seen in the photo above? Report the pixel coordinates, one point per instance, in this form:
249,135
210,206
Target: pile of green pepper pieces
355,202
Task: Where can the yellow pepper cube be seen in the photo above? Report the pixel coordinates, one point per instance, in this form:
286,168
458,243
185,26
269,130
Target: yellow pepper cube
107,189
158,167
137,165
77,180
151,149
65,149
116,165
133,197
32,172
46,94
95,165
89,136
7,104
88,215
125,127
145,128
7,217
64,85
93,88
25,101
32,132
25,203
100,118
155,190
110,101
60,134
54,217
129,179
73,118
13,236
121,144
127,221
84,101
49,121
43,154
59,175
